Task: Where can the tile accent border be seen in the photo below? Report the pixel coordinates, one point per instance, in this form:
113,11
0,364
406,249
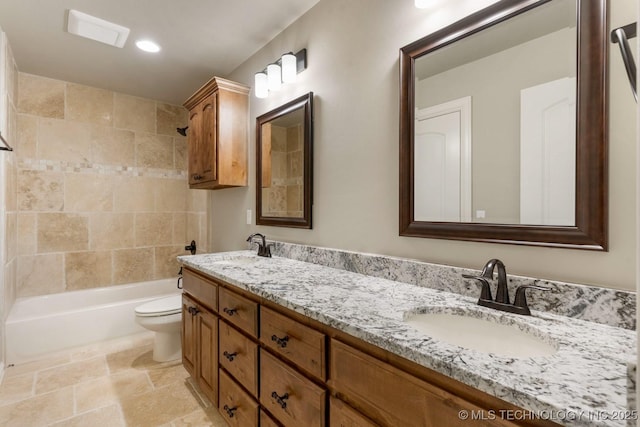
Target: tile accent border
591,303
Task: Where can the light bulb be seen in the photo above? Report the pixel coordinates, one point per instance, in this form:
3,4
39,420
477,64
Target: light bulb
261,86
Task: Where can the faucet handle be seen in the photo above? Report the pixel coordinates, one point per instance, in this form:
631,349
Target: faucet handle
521,296
485,293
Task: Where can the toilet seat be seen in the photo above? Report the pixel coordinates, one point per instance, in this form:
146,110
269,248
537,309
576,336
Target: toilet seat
161,307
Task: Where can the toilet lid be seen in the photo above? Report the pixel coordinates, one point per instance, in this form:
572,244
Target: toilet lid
161,307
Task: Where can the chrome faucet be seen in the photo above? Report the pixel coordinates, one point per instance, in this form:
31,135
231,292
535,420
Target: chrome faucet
263,249
502,301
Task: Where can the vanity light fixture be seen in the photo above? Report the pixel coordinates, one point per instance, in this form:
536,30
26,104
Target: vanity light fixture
284,70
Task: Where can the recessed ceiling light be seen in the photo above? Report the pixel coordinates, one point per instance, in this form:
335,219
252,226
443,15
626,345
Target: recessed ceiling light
148,46
97,29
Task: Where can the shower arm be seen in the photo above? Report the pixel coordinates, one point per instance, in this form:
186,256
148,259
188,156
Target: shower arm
621,35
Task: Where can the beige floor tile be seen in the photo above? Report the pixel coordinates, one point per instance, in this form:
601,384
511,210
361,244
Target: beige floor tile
70,374
109,416
140,358
36,365
110,389
201,418
39,410
112,346
166,374
159,406
16,388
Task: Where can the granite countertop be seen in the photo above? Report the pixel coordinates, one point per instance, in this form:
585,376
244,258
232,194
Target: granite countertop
583,384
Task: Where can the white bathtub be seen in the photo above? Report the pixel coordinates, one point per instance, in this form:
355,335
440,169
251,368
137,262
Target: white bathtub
46,324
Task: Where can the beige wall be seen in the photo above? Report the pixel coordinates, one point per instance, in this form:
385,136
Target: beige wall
353,72
102,193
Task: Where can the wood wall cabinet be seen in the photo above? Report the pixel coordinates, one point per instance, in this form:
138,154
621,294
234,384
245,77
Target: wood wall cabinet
217,137
280,368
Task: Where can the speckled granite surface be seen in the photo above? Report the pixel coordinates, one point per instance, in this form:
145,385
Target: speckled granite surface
592,303
584,380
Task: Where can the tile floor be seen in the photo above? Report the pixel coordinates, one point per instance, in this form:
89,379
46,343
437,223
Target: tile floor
108,385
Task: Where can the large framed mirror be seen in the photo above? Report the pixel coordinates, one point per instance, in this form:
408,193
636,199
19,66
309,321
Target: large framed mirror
503,127
284,148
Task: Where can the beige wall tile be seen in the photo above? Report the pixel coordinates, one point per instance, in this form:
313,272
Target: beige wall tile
112,146
154,151
26,244
27,136
61,232
10,275
134,194
171,195
11,235
169,117
84,270
40,275
180,153
72,373
110,389
166,264
11,185
153,229
39,410
197,200
88,192
40,190
63,140
180,228
132,265
111,230
134,113
89,104
40,96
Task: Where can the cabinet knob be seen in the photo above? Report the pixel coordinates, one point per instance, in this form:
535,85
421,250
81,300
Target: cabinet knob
197,177
230,411
194,310
230,356
230,311
282,342
282,400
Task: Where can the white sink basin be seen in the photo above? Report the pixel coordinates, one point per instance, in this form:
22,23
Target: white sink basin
480,335
240,260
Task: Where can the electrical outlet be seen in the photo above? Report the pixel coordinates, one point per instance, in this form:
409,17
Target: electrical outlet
480,214
248,216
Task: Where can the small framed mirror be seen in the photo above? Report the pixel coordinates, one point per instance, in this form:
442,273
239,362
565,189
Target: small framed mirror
284,141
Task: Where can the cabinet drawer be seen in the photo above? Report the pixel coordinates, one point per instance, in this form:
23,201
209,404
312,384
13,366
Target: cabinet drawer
392,397
203,290
302,345
343,415
239,356
236,406
267,421
293,399
239,311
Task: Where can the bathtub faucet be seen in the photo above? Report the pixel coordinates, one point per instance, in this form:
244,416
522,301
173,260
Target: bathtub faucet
263,249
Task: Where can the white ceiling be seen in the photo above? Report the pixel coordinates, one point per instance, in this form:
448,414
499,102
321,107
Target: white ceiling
199,39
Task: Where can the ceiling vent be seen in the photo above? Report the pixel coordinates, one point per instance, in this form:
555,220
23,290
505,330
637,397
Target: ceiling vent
97,29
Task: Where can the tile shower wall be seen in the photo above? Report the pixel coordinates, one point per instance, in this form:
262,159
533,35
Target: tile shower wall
102,192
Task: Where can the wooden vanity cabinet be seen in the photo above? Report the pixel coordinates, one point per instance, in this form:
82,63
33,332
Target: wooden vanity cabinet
217,138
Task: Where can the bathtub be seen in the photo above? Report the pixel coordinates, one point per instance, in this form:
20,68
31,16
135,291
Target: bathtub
47,324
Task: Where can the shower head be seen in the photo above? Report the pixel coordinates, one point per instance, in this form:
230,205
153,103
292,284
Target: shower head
182,131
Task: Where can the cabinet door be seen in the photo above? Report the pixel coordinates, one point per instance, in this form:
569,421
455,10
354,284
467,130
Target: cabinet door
208,151
342,415
194,143
207,355
188,335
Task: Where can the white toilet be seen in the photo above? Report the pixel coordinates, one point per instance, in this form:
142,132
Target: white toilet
164,317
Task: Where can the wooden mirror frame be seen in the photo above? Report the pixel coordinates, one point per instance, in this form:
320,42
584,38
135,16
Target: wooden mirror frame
305,102
591,213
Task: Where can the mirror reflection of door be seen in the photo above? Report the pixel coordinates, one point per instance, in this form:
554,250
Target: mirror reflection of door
443,162
548,153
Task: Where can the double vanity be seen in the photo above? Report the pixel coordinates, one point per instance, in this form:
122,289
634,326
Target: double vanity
278,341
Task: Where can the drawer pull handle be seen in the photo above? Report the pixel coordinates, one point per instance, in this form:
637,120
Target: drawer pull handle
282,342
230,411
230,356
230,311
194,310
282,400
